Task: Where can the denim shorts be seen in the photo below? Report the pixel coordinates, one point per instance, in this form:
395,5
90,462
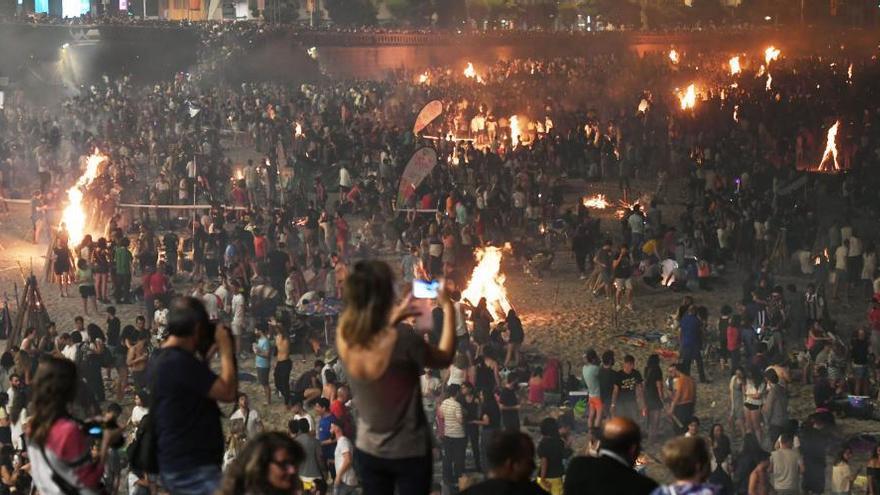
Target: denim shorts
860,372
203,480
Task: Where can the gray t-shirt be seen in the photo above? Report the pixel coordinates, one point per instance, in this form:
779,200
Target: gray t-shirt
776,404
312,448
391,423
786,471
591,379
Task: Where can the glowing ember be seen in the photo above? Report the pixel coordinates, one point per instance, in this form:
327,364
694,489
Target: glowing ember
734,66
597,202
74,216
423,78
643,106
771,54
488,281
688,99
515,131
769,85
673,56
830,150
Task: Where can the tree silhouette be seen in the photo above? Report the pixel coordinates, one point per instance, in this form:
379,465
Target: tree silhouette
351,12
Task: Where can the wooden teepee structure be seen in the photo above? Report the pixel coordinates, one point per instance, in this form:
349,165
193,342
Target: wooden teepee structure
31,313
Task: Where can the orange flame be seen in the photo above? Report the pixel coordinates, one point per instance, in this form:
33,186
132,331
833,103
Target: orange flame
625,207
470,72
769,85
849,74
830,150
74,216
688,99
736,113
515,131
597,202
673,56
643,106
423,78
488,281
770,54
734,66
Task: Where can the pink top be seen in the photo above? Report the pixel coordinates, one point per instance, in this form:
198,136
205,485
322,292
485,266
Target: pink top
68,454
536,390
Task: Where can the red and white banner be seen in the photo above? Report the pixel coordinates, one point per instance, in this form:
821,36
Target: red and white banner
419,167
429,112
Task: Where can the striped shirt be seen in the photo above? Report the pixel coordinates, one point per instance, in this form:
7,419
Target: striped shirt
453,418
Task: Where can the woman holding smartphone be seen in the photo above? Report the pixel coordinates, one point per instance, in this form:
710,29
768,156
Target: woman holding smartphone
384,359
58,445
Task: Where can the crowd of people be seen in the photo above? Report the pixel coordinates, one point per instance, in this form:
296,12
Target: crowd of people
508,28
253,262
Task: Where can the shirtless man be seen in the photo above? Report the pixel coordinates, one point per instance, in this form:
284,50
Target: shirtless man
283,364
137,361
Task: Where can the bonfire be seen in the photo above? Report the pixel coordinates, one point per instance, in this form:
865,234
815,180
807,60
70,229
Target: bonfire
830,153
770,54
74,215
488,281
688,99
734,66
515,131
597,202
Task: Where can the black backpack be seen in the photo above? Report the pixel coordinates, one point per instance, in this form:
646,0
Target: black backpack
143,451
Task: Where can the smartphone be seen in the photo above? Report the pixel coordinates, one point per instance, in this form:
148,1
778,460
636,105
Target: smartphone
424,289
95,430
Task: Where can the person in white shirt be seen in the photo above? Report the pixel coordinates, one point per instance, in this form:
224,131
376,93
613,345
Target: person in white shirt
238,311
430,385
344,182
839,276
80,328
139,410
14,384
454,439
251,418
308,298
296,408
68,351
842,476
160,318
213,303
223,293
346,480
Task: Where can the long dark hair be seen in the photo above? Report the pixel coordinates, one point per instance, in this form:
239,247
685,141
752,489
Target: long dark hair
248,473
369,297
652,367
54,389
